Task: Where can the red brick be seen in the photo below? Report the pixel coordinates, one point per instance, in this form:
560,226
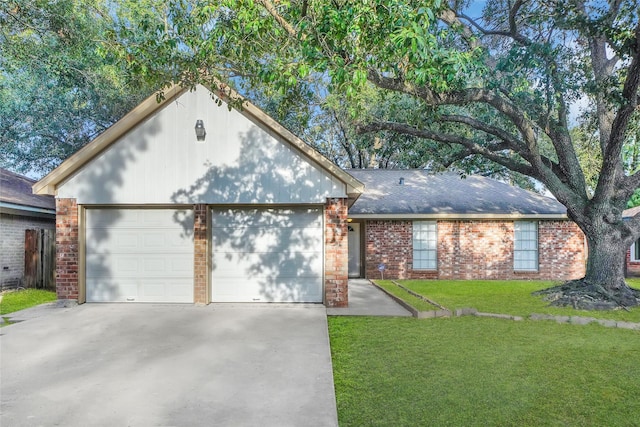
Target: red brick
474,249
67,249
335,267
200,255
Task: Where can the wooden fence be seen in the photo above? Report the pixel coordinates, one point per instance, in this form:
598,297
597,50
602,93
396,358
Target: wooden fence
40,259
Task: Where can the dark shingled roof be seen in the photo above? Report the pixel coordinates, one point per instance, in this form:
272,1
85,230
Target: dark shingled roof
631,212
445,193
16,189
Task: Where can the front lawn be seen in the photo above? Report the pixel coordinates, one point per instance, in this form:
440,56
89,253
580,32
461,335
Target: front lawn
19,300
506,297
472,371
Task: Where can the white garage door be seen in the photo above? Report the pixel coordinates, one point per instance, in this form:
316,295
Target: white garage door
140,255
267,255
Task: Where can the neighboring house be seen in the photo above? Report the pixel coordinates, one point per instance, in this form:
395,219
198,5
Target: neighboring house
633,254
20,210
185,201
441,226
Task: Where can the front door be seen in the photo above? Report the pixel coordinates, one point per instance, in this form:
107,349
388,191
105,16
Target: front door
354,249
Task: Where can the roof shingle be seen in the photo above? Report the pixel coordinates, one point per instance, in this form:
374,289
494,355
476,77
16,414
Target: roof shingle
16,189
424,192
631,212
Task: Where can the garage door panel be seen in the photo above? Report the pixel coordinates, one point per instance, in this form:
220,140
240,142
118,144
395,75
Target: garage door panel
138,218
254,240
263,264
134,290
271,255
126,265
300,289
264,218
142,255
135,241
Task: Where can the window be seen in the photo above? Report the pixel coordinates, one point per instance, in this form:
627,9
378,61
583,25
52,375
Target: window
525,254
425,243
635,251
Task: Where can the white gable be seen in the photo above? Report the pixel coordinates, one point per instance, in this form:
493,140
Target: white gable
161,162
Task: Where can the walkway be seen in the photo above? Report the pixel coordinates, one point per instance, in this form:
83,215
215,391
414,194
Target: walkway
367,300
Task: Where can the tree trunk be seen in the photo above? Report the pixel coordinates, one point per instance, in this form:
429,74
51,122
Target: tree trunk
605,266
603,286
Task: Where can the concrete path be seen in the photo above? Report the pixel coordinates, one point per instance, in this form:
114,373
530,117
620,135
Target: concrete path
168,365
367,300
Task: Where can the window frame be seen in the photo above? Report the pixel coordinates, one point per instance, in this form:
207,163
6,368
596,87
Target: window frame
634,251
518,263
426,245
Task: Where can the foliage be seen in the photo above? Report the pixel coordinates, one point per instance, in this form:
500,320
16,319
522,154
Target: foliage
19,300
59,84
482,372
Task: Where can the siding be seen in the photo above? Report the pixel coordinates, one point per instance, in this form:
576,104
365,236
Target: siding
240,162
12,229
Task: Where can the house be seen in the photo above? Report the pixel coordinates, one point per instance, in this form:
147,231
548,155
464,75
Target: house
20,210
633,254
184,201
418,225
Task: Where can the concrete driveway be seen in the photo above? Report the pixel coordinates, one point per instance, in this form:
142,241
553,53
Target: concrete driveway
169,365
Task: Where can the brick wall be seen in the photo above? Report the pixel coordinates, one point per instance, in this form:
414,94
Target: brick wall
12,229
336,253
474,250
200,257
67,249
633,267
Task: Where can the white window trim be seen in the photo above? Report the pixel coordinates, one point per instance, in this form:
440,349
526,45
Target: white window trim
632,250
435,250
537,249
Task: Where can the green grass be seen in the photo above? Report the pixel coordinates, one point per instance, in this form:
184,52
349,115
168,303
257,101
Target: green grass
415,302
472,371
19,300
506,297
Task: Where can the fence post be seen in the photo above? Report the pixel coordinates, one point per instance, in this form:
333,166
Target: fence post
49,259
31,255
39,259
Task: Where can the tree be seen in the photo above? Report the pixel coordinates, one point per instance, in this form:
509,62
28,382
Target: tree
59,84
499,86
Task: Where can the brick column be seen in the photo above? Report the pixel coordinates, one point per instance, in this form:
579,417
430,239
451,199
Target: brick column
200,258
67,249
336,255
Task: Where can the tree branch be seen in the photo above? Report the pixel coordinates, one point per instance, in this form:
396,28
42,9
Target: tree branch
467,96
274,13
612,160
513,143
448,139
513,28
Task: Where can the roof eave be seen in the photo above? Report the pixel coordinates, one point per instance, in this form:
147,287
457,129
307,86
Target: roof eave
461,216
15,209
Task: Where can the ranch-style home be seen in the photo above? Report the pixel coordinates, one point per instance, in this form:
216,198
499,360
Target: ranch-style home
412,224
184,201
